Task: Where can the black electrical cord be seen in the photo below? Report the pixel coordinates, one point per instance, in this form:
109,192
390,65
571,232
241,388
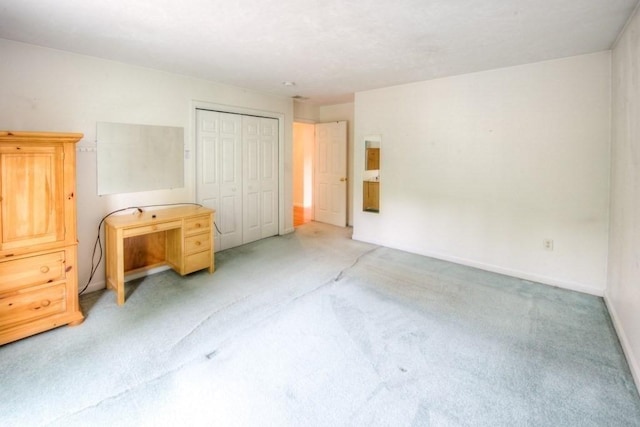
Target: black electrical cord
98,244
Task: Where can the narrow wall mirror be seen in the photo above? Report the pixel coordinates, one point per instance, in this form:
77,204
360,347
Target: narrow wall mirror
371,176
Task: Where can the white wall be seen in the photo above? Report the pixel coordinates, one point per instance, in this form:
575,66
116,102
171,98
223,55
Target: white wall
49,90
480,168
623,290
305,112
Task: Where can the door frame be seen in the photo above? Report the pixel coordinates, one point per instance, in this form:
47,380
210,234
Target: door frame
203,105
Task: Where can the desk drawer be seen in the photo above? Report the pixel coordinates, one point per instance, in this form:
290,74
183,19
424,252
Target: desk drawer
22,307
197,261
197,243
31,271
197,224
151,228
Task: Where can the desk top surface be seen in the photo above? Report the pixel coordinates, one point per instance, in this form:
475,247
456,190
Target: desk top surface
155,216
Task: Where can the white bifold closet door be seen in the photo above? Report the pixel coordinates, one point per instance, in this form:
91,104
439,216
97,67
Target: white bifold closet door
237,175
259,178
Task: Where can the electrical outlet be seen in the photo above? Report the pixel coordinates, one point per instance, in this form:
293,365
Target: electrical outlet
547,244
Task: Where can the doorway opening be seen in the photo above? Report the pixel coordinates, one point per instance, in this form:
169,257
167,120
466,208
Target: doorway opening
303,151
320,173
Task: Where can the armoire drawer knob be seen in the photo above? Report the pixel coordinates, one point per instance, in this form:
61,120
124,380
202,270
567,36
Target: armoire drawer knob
44,269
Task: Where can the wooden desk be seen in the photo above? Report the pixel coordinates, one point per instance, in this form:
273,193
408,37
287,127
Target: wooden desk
181,237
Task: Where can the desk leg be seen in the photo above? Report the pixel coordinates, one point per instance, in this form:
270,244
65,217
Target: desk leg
115,263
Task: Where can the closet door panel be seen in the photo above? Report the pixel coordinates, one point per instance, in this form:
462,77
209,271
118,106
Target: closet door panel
269,177
208,163
231,180
219,180
251,178
238,175
268,217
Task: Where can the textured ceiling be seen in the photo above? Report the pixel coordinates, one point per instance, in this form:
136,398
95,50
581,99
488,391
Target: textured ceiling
329,48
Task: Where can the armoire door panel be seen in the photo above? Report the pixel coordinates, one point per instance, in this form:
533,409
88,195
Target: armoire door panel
28,178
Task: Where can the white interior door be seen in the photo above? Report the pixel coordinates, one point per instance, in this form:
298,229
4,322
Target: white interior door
219,173
260,177
330,185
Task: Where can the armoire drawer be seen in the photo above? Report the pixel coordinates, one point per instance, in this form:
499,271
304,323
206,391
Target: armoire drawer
35,270
197,224
197,261
197,243
25,306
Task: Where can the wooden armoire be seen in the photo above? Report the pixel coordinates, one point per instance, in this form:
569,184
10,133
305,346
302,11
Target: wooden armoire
38,241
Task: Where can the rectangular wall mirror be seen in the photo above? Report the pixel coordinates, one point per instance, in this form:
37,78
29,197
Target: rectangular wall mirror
371,176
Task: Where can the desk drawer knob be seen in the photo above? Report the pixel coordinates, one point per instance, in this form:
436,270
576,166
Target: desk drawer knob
44,269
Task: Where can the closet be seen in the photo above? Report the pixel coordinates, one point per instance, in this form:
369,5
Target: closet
237,175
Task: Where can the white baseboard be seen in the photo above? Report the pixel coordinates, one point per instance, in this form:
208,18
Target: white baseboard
632,359
97,286
551,281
